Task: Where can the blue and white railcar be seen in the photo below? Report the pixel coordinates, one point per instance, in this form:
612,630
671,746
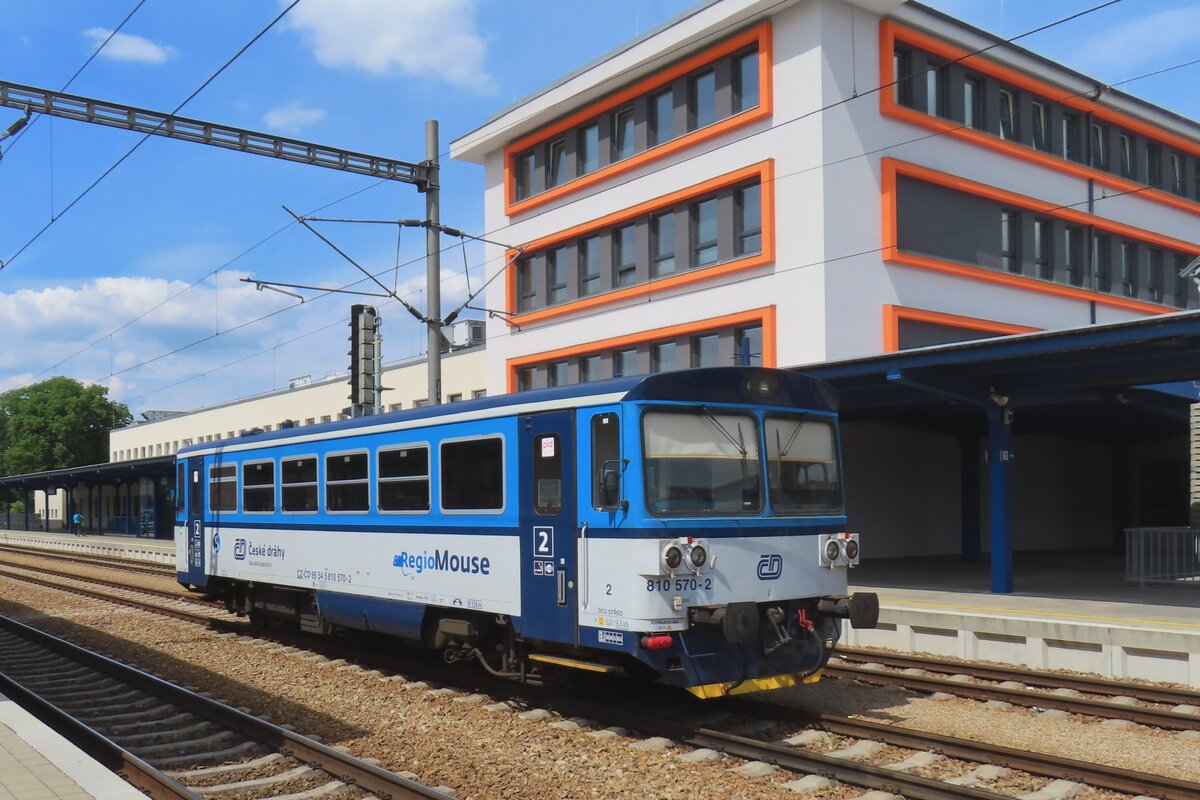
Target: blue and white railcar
686,525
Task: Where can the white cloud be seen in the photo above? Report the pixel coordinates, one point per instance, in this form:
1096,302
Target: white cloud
1114,48
292,117
435,39
127,47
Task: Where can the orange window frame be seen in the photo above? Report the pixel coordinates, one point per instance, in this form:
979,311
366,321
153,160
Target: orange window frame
764,171
891,169
760,34
892,315
890,32
765,316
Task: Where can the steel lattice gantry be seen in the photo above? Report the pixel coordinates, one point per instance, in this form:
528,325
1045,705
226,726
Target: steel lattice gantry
157,123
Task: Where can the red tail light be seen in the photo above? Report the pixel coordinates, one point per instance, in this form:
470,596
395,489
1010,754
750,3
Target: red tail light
660,642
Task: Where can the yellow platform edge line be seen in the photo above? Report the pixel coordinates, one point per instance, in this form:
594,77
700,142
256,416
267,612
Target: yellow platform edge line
1036,614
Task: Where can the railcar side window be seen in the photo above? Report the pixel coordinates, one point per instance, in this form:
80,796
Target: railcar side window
403,479
180,487
258,487
222,487
606,457
802,466
298,477
547,475
346,482
701,463
472,475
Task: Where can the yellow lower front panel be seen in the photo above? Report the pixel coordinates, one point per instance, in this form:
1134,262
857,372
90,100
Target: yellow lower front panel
712,690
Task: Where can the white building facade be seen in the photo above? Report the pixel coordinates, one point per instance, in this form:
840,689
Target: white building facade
791,183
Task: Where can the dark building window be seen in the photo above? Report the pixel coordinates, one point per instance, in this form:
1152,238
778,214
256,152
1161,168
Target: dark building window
972,103
525,379
704,233
1070,135
1098,158
526,294
1125,143
1154,176
903,77
1175,164
1154,275
702,100
1010,240
625,256
1008,115
662,118
748,220
1040,119
662,357
745,82
662,244
935,89
589,369
557,161
1073,255
588,154
1101,263
705,351
625,363
557,374
589,266
556,275
523,176
1129,269
622,135
1041,248
747,344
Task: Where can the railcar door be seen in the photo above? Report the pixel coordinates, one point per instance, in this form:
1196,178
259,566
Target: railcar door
547,479
195,522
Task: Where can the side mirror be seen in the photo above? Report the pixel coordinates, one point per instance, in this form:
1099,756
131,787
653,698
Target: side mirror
610,488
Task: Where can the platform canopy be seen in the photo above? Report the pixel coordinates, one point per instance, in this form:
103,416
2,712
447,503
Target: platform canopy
119,472
1101,374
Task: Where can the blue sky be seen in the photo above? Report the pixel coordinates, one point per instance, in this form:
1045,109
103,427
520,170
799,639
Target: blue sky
360,74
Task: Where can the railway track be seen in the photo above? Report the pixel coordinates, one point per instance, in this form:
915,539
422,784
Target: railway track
1146,693
108,562
1062,699
170,742
791,755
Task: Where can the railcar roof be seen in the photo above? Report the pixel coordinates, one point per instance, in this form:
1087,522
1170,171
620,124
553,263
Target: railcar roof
714,385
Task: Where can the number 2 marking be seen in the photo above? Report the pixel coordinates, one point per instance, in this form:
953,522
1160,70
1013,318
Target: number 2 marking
608,588
543,541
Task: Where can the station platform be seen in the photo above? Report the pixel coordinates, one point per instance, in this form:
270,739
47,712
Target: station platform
38,764
158,551
1071,611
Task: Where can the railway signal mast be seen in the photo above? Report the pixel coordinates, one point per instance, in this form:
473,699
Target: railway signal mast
424,175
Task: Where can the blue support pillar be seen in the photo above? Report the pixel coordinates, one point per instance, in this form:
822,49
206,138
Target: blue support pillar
999,485
70,512
971,493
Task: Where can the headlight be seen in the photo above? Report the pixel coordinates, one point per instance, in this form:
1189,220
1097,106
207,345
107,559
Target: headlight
698,555
832,551
763,384
851,549
672,556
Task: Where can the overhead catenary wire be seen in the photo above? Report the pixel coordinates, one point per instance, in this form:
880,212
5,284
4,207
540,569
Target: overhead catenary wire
77,72
87,190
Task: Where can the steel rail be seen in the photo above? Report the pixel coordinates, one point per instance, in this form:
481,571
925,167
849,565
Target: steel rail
343,766
166,595
1153,717
186,616
1083,683
1100,776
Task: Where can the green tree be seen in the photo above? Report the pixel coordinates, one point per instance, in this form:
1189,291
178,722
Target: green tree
55,424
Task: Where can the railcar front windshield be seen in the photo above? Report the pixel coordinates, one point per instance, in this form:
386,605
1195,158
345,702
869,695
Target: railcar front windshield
802,465
700,462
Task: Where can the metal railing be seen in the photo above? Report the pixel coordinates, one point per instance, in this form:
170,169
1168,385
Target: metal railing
1162,555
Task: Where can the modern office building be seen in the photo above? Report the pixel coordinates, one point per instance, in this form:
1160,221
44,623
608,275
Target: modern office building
790,183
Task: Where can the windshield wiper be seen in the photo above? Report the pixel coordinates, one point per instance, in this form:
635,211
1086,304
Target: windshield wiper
784,449
738,443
